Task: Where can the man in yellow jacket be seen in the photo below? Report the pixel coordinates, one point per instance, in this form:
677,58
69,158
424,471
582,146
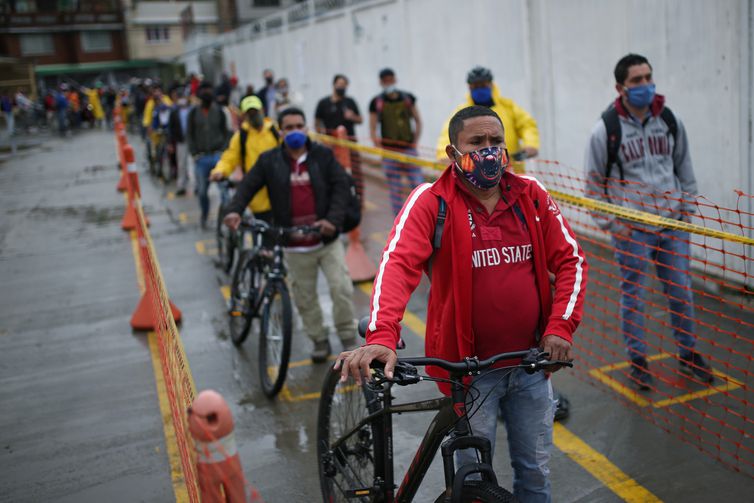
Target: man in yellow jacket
521,133
257,135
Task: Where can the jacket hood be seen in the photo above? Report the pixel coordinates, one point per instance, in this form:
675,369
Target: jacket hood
658,103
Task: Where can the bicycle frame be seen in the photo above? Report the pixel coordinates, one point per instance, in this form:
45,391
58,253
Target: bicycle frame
450,414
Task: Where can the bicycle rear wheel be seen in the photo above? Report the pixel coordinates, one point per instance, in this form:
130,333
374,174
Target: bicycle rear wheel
244,291
482,492
226,244
352,464
275,338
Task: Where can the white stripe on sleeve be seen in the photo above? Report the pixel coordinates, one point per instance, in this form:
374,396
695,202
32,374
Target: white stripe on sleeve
386,255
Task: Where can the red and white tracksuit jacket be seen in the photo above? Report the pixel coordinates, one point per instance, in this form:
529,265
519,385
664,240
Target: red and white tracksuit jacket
449,332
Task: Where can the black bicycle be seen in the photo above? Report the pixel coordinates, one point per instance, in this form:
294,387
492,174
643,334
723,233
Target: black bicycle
225,236
259,290
355,439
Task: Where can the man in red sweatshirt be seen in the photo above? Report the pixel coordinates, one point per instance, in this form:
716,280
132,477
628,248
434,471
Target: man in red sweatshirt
491,292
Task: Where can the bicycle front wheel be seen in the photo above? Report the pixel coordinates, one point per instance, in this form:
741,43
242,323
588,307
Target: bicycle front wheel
243,295
275,338
347,465
481,491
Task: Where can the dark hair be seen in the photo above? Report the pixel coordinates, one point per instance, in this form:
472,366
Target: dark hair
339,76
478,74
386,72
290,111
206,84
456,122
626,62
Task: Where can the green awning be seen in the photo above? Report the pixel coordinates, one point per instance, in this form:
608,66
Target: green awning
98,66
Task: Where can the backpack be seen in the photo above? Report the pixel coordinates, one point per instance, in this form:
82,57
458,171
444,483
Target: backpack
395,118
614,133
442,209
243,135
352,216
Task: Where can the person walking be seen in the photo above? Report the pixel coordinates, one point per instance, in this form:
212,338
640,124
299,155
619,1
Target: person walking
267,93
207,137
306,186
257,135
638,157
178,134
521,133
490,292
400,125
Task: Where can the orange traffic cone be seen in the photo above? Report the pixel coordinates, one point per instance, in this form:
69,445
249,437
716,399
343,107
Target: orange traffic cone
121,144
145,316
130,219
218,464
360,267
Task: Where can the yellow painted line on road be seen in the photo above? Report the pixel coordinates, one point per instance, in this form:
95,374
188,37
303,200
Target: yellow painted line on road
600,467
225,290
170,195
174,456
601,374
183,217
171,444
412,321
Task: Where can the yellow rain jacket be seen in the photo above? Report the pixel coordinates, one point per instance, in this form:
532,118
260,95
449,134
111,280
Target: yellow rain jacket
146,119
520,127
94,101
257,142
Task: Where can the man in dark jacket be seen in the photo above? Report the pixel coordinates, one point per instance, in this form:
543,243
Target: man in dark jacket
207,137
306,186
177,132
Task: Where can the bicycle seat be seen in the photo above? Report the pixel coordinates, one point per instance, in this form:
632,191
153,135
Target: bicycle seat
364,326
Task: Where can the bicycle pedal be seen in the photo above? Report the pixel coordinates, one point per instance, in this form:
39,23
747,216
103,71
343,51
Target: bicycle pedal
358,493
236,314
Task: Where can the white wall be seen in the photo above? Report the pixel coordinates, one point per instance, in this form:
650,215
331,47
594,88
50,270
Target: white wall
555,58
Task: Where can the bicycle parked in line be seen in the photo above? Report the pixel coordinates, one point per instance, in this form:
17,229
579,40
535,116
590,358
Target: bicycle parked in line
355,432
259,290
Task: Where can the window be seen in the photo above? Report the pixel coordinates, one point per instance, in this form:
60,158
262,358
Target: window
25,6
96,41
158,34
36,44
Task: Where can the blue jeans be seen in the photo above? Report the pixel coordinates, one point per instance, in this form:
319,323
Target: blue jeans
393,172
528,409
669,250
202,166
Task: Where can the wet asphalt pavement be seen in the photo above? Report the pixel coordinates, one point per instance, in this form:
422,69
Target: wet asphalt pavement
79,414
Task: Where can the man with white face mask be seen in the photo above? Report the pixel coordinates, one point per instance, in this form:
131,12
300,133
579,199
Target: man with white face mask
490,292
397,115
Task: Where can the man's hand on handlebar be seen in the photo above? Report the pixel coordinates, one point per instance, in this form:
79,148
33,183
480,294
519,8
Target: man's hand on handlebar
356,363
558,348
232,220
326,228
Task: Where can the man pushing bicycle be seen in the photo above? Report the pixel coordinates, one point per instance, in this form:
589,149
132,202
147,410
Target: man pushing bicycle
488,240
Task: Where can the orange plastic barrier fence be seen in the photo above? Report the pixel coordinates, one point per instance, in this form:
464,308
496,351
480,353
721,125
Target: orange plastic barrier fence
715,311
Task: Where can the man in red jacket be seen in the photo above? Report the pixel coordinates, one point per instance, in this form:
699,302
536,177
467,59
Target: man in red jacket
491,292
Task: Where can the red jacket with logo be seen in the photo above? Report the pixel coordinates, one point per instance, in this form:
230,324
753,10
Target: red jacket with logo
449,327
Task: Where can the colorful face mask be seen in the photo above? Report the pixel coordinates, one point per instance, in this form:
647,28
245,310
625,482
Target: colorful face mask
483,168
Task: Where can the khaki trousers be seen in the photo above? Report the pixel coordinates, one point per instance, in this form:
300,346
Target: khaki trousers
304,269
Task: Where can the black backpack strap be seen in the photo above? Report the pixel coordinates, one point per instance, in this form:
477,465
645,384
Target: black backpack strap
613,130
669,118
242,136
520,214
442,210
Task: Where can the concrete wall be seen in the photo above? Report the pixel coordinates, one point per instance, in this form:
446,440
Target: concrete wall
555,58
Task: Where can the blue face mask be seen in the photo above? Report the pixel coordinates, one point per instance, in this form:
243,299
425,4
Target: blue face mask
640,96
482,95
295,139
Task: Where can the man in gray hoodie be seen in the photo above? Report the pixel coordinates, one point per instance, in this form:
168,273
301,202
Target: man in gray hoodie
638,157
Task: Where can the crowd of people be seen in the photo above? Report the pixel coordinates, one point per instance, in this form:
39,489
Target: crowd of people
507,257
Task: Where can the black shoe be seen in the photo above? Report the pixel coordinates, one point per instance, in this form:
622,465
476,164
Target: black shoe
694,365
321,351
640,377
180,192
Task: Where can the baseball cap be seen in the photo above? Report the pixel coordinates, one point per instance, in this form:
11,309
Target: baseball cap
250,102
